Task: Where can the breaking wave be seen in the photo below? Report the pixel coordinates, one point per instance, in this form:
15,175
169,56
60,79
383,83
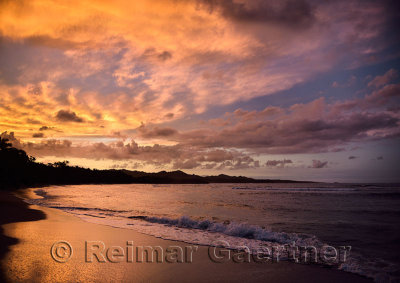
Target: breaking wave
242,230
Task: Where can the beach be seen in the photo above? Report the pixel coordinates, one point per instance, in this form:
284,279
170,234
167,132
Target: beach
29,232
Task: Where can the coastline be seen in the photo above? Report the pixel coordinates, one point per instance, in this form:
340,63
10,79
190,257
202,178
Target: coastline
13,210
26,244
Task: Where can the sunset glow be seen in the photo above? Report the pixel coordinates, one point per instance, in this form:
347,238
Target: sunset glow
281,89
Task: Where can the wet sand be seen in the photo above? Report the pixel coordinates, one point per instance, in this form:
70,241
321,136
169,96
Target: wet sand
29,257
13,209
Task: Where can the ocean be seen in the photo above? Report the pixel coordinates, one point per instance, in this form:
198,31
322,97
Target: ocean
365,217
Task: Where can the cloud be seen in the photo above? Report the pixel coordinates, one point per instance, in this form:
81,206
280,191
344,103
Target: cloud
302,128
156,132
47,128
162,156
102,114
188,164
165,56
119,166
350,82
383,95
116,60
278,163
384,79
233,140
291,13
38,135
352,157
68,116
312,127
169,115
319,164
379,158
52,42
335,84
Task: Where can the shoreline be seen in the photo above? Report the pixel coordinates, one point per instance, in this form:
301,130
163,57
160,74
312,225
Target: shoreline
13,210
28,235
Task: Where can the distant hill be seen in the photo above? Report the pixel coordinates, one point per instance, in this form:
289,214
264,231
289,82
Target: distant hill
17,169
180,177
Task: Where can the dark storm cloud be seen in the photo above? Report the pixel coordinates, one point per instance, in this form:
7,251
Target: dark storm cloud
68,116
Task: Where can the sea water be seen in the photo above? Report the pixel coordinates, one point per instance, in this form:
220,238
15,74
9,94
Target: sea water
363,216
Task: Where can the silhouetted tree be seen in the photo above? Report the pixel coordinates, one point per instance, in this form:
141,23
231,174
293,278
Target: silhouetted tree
61,164
4,144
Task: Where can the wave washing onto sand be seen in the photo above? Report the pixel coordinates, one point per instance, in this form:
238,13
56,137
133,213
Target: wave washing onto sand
241,230
237,235
243,234
207,232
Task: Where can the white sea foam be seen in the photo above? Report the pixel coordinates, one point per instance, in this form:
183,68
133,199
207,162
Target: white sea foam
241,230
205,232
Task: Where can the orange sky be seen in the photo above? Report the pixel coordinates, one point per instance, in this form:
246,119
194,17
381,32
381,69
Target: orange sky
175,73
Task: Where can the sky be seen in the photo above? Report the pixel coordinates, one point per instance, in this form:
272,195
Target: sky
301,90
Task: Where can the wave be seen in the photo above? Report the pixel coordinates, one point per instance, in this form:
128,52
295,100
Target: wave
239,234
242,230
